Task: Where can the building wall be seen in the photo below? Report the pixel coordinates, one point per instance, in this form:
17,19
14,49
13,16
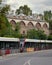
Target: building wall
26,25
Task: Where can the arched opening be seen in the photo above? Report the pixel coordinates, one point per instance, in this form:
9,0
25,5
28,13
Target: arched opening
30,25
22,24
22,27
13,24
38,26
45,26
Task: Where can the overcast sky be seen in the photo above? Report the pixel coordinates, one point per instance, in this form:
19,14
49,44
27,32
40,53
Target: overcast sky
37,6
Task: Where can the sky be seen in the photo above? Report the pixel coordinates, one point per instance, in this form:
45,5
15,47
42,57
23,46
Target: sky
37,6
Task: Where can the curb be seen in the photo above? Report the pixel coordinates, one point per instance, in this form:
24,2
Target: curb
11,55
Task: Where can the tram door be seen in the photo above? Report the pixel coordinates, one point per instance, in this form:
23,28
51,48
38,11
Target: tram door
21,45
22,42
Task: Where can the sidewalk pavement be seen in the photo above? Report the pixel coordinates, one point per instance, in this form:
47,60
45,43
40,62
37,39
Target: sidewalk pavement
15,54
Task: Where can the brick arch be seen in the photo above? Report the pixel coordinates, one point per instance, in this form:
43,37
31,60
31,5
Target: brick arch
22,27
13,22
38,25
45,25
22,23
30,24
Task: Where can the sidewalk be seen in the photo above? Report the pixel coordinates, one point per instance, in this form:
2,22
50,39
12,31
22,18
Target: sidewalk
15,54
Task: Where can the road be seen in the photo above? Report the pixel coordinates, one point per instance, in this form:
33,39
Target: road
30,58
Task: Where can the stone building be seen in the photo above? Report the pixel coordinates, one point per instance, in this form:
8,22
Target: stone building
28,22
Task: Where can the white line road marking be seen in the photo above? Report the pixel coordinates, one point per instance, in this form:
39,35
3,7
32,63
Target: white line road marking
28,62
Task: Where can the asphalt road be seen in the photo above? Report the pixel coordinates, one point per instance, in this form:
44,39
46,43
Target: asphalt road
30,58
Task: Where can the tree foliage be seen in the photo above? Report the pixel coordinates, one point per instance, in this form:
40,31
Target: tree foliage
50,37
47,15
4,24
26,10
50,24
35,34
5,9
0,1
48,18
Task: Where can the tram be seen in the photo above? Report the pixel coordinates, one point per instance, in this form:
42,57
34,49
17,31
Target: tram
9,43
24,45
34,44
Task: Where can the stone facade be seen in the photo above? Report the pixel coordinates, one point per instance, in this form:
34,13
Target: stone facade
28,22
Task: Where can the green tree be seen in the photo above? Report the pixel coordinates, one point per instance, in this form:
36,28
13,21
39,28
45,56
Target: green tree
4,24
50,24
0,1
17,32
34,34
50,27
5,9
48,18
13,33
26,10
47,15
41,34
50,37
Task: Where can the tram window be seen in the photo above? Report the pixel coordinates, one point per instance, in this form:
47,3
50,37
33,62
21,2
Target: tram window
5,45
29,44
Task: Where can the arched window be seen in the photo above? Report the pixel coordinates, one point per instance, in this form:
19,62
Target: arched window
38,25
30,25
22,24
45,26
13,22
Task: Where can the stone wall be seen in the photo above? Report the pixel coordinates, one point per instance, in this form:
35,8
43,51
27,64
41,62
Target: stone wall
26,25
